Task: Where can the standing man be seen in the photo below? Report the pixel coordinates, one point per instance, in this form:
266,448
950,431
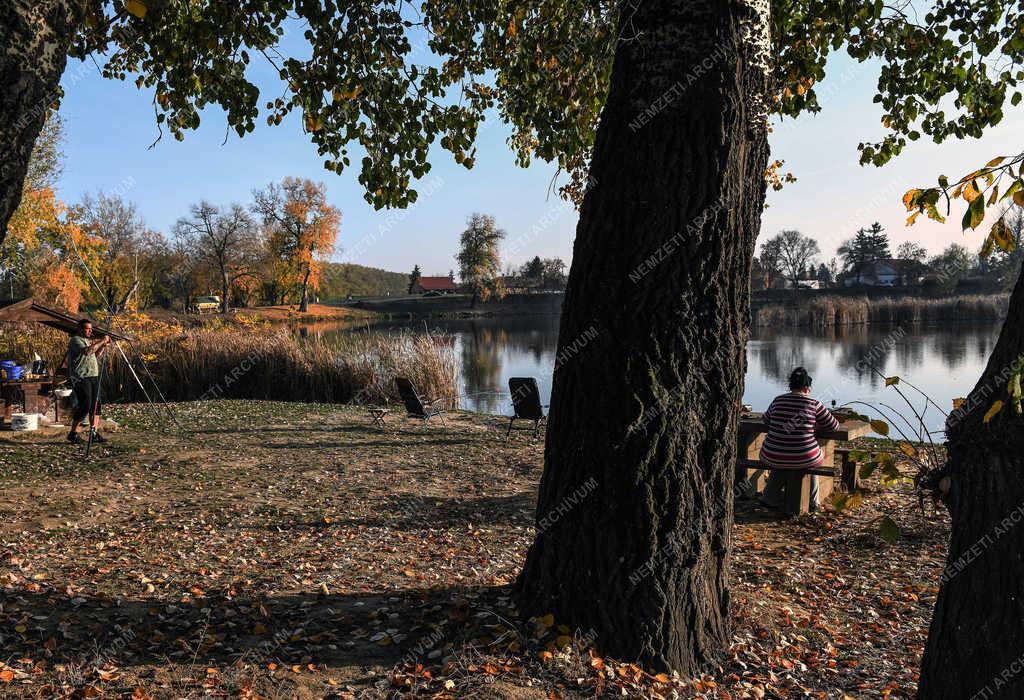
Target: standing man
84,375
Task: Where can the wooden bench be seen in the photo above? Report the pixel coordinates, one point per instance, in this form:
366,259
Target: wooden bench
797,488
850,480
752,430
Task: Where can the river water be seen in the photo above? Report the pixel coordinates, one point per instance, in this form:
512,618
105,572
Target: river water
942,361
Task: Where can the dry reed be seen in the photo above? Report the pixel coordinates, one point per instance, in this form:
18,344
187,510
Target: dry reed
261,363
829,311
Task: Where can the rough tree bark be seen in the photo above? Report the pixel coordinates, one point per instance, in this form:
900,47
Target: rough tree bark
634,514
975,646
34,40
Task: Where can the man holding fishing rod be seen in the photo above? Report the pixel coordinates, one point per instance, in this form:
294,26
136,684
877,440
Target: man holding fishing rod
84,375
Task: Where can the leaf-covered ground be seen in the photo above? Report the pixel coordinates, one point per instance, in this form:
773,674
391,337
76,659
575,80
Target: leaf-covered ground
293,550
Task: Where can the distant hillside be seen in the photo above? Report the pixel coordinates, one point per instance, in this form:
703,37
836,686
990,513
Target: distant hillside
341,279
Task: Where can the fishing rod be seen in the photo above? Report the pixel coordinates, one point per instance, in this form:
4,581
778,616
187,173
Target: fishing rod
113,315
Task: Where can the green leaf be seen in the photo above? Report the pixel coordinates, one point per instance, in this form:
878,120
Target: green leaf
889,530
867,469
975,213
839,500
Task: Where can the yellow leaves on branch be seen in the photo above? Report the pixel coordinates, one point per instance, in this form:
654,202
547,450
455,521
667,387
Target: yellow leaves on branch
880,427
972,188
135,7
339,94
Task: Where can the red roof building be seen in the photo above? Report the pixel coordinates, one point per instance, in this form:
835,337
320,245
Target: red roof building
433,284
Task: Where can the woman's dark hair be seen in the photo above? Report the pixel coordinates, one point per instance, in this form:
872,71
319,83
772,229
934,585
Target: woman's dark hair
799,379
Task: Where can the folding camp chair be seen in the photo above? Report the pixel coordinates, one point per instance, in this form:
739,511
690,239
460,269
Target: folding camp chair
415,406
525,403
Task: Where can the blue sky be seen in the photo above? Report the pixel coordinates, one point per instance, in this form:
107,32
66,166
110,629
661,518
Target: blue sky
110,126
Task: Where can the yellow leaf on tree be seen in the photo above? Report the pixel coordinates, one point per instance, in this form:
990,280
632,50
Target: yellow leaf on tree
880,427
971,191
997,406
136,7
908,449
891,381
1002,236
957,403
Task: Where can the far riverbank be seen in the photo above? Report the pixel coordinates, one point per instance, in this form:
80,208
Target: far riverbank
834,311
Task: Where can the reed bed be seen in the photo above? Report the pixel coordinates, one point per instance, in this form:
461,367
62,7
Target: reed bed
829,312
261,363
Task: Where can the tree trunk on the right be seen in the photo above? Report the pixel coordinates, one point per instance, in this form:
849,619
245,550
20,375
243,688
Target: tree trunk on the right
975,648
634,513
34,40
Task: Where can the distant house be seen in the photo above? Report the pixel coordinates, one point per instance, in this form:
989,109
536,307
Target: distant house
445,285
888,272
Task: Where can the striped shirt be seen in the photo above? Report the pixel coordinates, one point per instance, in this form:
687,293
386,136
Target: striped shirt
792,420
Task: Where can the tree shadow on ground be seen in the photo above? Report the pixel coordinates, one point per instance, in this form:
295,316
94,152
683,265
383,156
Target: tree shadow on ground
360,629
361,443
410,512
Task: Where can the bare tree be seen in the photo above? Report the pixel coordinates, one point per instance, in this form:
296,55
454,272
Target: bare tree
227,240
795,251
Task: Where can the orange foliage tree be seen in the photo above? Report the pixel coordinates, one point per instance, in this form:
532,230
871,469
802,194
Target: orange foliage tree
40,250
301,230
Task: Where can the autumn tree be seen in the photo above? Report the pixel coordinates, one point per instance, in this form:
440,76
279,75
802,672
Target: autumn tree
302,228
125,265
39,254
225,239
479,262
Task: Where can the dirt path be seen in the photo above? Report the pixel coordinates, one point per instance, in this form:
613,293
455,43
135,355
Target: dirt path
291,550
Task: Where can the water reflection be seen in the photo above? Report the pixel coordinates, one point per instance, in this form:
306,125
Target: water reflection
943,361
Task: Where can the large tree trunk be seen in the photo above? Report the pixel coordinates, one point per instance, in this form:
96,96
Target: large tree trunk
34,40
976,642
634,515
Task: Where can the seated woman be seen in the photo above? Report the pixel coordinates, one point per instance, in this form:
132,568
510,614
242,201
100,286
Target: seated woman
792,420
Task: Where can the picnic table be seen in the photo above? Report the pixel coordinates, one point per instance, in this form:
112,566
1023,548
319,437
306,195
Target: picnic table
751,473
34,394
